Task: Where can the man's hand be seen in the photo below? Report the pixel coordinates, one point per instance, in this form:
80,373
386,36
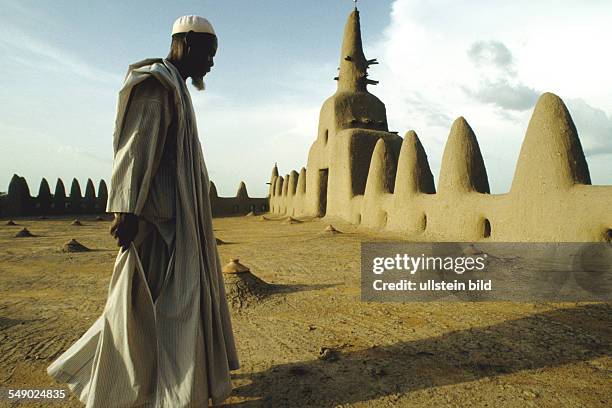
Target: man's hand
124,229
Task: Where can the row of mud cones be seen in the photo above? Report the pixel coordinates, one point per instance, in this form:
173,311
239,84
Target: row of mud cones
291,220
75,222
25,233
71,246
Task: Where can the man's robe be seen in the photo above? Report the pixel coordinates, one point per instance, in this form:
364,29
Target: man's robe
165,337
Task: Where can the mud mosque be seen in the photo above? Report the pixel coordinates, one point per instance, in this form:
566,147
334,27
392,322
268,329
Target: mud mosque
359,172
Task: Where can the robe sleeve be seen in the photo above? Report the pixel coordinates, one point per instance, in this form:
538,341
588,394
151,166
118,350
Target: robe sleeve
140,147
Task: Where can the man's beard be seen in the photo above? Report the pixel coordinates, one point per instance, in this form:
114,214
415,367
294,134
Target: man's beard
198,82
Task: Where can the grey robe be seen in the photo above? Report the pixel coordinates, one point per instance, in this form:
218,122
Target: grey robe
165,341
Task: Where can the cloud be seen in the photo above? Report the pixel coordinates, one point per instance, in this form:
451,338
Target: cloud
433,113
74,152
242,140
505,95
28,50
594,127
47,157
492,53
499,85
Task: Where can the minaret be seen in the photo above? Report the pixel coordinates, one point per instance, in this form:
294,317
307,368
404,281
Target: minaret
273,178
353,106
353,63
102,196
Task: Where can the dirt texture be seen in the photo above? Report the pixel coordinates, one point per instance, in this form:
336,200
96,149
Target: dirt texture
309,341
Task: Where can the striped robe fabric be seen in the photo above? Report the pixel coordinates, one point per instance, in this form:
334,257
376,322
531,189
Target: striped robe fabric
164,338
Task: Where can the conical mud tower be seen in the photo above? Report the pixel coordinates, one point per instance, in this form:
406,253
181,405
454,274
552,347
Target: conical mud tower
242,193
551,157
44,197
463,168
413,172
381,174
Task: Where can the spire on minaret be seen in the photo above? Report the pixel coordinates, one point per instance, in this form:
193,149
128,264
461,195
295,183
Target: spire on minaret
274,171
353,63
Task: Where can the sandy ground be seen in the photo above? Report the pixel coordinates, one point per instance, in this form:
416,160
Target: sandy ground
381,355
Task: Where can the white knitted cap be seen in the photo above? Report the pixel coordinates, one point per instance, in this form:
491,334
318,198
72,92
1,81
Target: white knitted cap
193,23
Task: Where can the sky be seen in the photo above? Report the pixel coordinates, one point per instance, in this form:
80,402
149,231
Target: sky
62,64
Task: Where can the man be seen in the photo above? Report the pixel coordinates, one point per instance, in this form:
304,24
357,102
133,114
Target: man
165,337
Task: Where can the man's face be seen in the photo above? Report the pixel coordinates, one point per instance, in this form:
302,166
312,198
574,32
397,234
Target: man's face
201,59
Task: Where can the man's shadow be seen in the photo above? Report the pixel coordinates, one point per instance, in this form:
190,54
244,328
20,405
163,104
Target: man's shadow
538,341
